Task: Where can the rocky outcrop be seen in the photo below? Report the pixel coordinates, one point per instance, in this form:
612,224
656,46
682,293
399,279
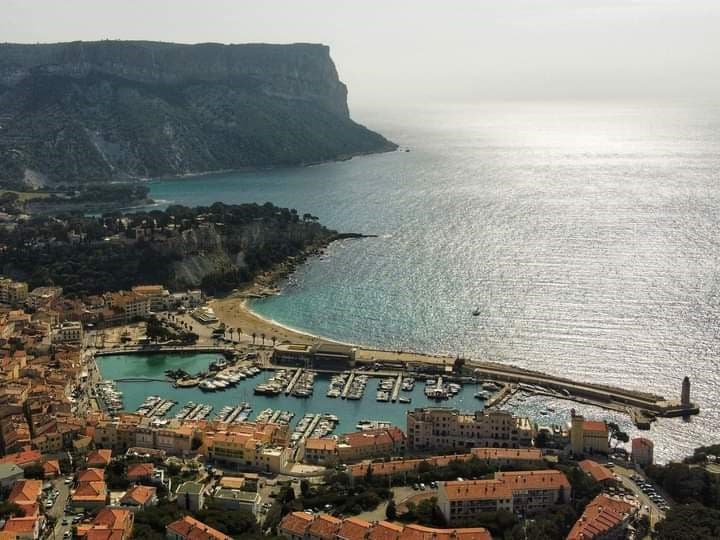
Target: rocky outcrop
78,112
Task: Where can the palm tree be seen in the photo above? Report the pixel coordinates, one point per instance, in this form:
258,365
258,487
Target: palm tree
254,335
274,339
263,339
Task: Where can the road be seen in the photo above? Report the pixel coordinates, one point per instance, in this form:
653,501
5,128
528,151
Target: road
58,510
649,507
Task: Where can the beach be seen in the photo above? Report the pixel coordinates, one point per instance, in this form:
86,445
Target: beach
235,312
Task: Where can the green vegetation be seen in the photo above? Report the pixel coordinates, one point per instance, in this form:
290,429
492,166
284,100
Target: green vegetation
157,331
8,509
217,247
689,521
254,109
687,484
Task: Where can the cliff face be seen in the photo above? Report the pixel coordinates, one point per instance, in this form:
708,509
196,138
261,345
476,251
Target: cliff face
77,112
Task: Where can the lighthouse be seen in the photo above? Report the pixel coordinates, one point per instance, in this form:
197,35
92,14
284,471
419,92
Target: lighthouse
685,392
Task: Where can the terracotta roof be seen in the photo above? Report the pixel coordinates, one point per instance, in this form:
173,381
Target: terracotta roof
26,457
192,529
25,491
324,527
91,475
105,534
353,528
473,490
51,467
20,525
375,437
296,523
544,479
140,470
114,518
594,425
418,532
594,469
90,491
599,517
508,453
99,458
328,445
138,495
385,531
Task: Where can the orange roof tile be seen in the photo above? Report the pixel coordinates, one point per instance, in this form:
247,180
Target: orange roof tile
353,528
138,495
296,523
99,458
140,470
599,517
543,479
192,529
25,491
594,469
594,425
325,527
20,524
327,445
473,490
51,467
385,531
91,475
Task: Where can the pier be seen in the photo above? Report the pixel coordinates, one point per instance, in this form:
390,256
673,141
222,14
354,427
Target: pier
609,397
293,381
348,385
396,388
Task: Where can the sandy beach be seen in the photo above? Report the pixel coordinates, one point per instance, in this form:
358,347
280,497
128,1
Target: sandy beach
235,313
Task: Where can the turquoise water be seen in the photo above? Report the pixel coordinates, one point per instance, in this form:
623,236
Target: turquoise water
585,233
350,412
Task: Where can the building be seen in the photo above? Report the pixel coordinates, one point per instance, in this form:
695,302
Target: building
599,473
68,332
303,526
605,518
12,292
522,492
588,436
130,305
139,498
237,499
99,459
643,451
111,523
26,494
91,491
440,428
140,471
251,446
42,296
191,496
189,528
371,444
24,528
498,457
320,451
159,296
9,473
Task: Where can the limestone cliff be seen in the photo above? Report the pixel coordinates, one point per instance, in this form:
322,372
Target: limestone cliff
96,111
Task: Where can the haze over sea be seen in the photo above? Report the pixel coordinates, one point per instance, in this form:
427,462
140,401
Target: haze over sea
587,234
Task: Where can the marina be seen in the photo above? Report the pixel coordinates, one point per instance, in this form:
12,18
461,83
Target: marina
343,394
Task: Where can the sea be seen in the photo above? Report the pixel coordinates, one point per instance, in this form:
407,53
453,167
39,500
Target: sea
586,234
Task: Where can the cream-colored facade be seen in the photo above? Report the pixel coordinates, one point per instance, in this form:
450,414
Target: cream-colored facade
588,436
437,428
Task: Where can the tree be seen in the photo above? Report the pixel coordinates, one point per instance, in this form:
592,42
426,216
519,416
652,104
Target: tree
304,487
614,432
689,521
35,472
254,335
391,510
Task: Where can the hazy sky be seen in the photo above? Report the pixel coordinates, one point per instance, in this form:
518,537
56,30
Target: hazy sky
431,49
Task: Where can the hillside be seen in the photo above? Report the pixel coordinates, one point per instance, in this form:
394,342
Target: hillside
97,111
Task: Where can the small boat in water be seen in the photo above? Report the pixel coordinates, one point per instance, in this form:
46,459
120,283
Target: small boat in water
476,312
403,399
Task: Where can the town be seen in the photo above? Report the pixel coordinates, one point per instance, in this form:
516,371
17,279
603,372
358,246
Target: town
76,464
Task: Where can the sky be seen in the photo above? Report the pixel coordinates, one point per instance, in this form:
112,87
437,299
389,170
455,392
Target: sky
431,50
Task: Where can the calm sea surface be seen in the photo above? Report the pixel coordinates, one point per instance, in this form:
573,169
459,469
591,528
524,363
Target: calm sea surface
587,234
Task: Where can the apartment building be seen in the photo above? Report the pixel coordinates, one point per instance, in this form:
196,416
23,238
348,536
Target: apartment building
130,305
499,457
605,518
159,297
248,449
303,526
642,451
439,428
524,492
42,296
12,292
68,332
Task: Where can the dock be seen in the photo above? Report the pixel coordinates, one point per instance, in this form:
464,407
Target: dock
293,381
348,385
396,388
